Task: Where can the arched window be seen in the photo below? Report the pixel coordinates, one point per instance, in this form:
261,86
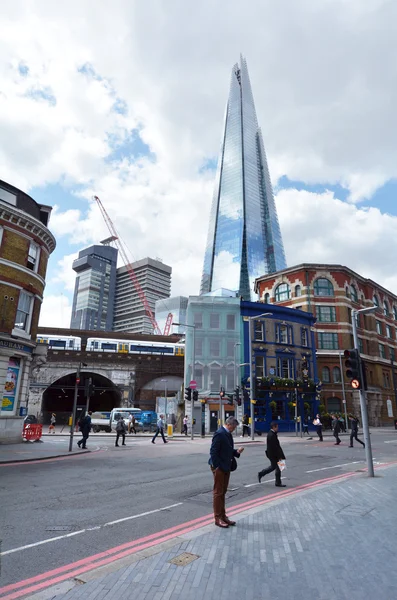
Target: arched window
353,293
395,312
298,291
334,405
323,287
336,375
325,375
375,300
266,299
282,292
347,292
386,310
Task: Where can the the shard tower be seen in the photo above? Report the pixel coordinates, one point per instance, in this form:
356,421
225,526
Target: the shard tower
244,238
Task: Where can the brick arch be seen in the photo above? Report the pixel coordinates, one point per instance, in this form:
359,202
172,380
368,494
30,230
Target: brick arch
58,374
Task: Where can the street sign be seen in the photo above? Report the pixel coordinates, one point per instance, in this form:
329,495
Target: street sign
193,384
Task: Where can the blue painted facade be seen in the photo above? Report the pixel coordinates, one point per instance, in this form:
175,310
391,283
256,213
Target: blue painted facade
284,365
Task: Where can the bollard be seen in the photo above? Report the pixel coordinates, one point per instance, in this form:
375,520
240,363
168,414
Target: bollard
170,430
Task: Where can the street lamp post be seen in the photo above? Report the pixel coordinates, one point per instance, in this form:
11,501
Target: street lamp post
252,411
363,404
236,372
76,392
193,365
343,389
165,395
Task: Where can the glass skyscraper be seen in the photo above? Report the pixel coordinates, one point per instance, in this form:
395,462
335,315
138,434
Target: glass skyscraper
244,238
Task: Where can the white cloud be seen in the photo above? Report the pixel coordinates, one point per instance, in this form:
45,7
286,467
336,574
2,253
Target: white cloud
324,83
321,228
56,311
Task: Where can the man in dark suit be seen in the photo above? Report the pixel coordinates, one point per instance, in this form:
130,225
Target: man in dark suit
221,456
274,453
85,428
336,429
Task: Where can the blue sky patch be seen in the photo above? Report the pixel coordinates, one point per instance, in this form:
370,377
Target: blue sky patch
40,94
132,148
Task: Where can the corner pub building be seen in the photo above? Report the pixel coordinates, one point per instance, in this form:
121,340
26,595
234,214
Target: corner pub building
25,246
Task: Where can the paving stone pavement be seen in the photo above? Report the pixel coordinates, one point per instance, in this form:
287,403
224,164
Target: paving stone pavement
334,542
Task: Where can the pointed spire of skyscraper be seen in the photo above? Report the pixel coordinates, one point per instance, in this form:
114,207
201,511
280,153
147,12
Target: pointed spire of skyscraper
244,238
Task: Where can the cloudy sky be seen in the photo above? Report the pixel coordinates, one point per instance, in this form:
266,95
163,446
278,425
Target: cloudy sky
125,99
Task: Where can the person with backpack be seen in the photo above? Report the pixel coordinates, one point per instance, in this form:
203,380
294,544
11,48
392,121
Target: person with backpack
120,430
85,428
131,424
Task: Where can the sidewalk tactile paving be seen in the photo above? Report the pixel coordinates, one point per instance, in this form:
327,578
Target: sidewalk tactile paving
325,544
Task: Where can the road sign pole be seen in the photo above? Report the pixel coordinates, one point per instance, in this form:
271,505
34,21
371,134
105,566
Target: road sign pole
363,404
76,391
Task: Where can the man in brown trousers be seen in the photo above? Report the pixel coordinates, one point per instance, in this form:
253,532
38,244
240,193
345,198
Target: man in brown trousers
222,457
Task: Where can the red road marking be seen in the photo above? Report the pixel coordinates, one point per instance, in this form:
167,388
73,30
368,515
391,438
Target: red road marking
103,558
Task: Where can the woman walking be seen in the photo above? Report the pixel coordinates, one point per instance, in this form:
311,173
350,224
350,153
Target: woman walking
319,427
51,428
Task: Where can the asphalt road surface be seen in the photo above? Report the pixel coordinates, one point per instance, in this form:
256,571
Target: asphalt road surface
87,504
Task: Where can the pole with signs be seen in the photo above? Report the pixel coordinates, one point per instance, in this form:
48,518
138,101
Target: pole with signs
363,404
343,390
76,392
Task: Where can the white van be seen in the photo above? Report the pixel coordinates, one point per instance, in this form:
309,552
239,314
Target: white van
123,413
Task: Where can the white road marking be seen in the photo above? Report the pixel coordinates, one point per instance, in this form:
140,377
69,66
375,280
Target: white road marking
261,483
336,466
390,441
73,533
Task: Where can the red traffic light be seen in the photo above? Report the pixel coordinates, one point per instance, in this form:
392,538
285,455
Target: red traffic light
77,380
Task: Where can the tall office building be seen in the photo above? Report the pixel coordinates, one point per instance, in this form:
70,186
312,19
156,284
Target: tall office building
129,312
244,238
94,288
177,306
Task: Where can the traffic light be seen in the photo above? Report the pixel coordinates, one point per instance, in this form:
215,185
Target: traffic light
188,394
353,368
195,395
89,388
237,396
222,392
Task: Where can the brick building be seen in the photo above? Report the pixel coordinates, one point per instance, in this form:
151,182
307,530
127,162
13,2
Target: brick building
25,246
330,292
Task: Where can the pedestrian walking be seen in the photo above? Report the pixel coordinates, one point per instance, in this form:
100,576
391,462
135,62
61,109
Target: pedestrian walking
336,429
246,428
160,429
53,420
120,431
354,423
306,426
274,453
222,461
342,424
85,428
185,422
319,427
131,423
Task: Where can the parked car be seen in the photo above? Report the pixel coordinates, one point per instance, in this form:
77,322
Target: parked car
147,420
100,421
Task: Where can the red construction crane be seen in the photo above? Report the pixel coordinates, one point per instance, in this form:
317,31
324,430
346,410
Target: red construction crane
168,324
130,270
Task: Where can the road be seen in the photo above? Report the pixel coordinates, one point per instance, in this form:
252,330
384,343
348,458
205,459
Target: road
90,503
